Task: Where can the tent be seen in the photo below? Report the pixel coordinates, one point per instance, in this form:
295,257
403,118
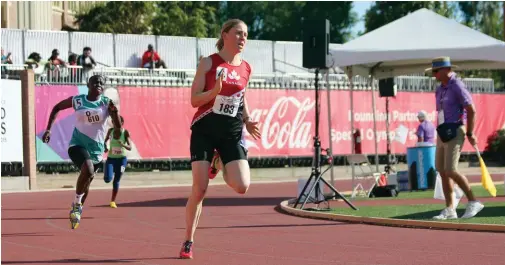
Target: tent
408,45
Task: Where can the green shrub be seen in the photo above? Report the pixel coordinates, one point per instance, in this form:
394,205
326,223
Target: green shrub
495,148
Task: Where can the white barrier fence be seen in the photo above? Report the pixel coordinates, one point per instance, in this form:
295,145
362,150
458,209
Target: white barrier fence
126,50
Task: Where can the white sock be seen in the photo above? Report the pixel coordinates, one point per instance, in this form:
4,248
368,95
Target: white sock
78,198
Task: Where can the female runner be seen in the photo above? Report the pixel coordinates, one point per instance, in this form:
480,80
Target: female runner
218,92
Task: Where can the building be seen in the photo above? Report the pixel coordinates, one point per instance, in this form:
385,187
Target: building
41,15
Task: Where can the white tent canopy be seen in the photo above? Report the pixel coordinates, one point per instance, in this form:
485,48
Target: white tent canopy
408,45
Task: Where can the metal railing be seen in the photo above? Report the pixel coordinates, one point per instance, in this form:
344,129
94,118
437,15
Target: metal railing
184,77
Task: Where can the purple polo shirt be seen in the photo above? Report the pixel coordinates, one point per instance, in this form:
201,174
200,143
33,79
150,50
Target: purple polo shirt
453,98
426,130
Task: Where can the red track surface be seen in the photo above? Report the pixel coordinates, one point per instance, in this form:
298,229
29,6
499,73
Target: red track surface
148,228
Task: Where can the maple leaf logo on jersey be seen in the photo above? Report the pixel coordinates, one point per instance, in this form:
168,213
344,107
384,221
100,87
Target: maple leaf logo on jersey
234,75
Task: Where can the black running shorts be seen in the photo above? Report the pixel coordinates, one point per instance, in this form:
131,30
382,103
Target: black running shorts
228,145
79,155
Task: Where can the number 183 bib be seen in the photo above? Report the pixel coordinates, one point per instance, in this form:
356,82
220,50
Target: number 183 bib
225,105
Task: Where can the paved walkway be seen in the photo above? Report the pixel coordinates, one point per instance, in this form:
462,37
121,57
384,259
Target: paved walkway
182,178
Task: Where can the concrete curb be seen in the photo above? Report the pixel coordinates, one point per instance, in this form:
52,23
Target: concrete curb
284,206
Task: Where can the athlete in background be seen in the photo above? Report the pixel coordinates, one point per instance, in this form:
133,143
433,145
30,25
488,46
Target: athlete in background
86,146
116,159
218,91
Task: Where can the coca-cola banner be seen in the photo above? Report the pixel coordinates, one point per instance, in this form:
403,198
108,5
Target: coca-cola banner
159,118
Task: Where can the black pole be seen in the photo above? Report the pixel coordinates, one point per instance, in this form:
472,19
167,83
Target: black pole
388,140
316,167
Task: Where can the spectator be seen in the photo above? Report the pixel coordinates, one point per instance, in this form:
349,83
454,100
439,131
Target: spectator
54,61
151,59
33,60
72,61
426,130
53,65
87,62
6,59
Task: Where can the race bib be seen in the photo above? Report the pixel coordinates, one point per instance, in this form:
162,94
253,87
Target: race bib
228,106
117,150
93,117
441,117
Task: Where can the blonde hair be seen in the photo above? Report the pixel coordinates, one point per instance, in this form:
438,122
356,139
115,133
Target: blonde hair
226,27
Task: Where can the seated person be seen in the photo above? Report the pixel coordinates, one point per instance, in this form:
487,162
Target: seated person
151,59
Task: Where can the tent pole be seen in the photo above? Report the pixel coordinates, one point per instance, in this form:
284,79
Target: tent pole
374,124
351,88
330,148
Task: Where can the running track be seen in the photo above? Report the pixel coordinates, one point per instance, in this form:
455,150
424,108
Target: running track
148,228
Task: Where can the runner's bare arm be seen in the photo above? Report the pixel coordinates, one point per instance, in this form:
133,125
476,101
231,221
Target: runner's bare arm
127,144
62,105
114,115
246,115
198,97
107,139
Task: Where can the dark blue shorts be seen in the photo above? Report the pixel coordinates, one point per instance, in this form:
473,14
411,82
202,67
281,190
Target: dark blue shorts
114,167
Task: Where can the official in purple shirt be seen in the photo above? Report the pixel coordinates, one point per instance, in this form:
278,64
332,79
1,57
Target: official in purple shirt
426,130
454,108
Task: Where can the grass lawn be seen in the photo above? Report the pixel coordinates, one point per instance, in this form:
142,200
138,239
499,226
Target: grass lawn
493,213
479,191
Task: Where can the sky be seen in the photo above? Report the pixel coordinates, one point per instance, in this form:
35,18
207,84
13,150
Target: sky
360,8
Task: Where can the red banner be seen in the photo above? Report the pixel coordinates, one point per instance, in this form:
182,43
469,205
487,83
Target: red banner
159,120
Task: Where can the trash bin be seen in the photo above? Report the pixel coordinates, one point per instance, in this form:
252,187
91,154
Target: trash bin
421,163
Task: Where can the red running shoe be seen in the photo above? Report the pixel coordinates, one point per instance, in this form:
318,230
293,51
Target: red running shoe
186,250
213,166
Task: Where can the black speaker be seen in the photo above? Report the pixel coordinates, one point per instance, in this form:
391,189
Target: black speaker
387,87
316,43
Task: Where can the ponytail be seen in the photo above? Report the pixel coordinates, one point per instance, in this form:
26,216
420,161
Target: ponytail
220,44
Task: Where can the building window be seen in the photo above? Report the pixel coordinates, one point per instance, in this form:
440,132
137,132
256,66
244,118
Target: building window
58,4
73,6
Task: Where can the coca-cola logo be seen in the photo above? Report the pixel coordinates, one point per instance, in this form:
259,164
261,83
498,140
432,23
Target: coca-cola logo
284,124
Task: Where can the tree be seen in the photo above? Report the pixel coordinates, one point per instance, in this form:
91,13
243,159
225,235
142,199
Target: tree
277,21
282,21
486,17
195,19
382,13
118,17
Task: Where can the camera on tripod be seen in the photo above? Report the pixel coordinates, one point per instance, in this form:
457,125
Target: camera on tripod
326,157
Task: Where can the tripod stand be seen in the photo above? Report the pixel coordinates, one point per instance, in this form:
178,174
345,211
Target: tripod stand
316,167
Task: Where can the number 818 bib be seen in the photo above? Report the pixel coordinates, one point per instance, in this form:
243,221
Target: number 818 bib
225,105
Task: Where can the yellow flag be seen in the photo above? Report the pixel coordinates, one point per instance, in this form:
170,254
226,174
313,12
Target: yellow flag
486,180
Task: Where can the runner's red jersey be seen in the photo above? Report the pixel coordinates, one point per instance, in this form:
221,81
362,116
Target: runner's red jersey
230,101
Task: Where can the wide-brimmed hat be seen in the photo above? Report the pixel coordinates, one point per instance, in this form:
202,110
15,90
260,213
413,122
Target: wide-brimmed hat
440,62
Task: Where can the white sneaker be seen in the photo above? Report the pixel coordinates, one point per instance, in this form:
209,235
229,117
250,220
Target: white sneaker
472,209
447,213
